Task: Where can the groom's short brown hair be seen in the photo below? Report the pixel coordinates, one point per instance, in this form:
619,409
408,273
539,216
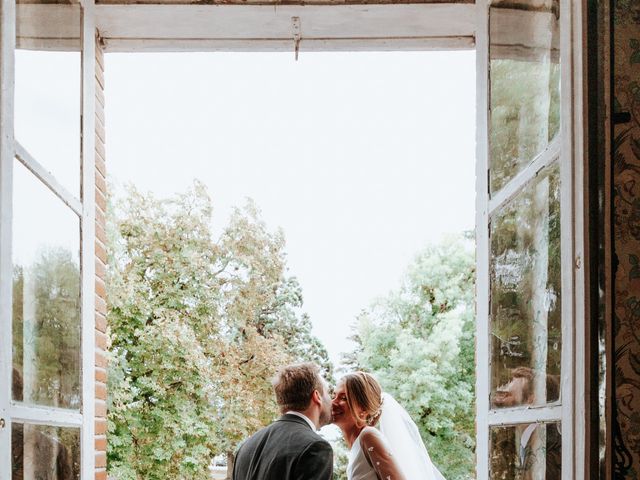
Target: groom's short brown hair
294,386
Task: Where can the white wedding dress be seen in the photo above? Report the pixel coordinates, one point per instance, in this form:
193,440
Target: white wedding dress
358,467
405,444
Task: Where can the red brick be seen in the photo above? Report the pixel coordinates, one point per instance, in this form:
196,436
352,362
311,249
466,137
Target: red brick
100,233
101,474
100,164
101,306
101,323
100,96
100,218
100,288
101,459
101,408
100,182
99,52
101,426
99,113
101,270
99,76
101,391
101,252
101,340
100,132
100,150
101,443
101,375
101,359
101,201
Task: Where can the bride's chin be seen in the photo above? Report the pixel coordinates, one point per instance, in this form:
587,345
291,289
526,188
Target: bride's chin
337,419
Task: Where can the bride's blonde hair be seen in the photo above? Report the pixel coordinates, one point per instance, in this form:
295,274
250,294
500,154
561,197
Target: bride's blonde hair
363,390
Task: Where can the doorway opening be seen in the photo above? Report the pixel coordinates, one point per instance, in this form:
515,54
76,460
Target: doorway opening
366,162
529,238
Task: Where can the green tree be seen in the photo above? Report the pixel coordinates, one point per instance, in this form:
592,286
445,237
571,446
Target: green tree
340,458
419,342
198,327
46,340
46,328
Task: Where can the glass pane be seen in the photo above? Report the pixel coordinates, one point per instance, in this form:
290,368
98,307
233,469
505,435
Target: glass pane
525,295
524,85
44,453
46,296
528,452
47,87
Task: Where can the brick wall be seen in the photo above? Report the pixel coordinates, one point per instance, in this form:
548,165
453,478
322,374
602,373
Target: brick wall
101,260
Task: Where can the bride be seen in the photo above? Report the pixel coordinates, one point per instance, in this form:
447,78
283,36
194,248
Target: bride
395,450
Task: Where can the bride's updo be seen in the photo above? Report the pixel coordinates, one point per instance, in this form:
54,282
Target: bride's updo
364,391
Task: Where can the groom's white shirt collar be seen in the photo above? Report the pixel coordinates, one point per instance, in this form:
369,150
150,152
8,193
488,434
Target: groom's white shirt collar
304,417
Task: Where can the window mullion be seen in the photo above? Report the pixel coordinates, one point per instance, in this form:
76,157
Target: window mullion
57,417
517,183
47,178
513,416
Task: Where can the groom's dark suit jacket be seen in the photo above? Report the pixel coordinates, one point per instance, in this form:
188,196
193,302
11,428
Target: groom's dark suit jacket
288,449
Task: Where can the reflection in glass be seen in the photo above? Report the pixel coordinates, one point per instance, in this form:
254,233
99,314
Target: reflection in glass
44,453
526,452
524,85
47,87
46,296
525,296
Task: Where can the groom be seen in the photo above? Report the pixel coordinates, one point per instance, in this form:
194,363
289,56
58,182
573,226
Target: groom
290,448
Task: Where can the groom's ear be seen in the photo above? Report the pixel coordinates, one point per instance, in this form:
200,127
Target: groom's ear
316,397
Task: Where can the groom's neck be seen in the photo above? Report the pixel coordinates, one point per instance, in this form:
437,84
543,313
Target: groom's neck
312,414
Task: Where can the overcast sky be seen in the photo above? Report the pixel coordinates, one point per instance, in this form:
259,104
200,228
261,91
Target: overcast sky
361,158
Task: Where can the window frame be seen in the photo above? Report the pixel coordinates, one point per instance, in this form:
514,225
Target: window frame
47,178
10,151
571,412
567,150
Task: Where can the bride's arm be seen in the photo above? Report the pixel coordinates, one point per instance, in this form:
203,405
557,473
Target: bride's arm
383,462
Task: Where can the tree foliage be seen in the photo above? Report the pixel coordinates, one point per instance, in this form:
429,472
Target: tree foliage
46,328
419,342
198,327
46,331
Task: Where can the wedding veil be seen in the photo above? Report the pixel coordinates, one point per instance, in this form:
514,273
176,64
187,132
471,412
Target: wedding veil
405,442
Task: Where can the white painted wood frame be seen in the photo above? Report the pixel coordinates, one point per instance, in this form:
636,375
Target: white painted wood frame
483,356
47,178
568,152
568,187
126,28
529,414
263,28
7,47
515,185
269,28
10,151
88,230
37,415
575,408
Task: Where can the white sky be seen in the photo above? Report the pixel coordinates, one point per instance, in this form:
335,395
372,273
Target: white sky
362,158
47,124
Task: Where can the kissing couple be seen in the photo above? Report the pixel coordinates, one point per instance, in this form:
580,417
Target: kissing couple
384,442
